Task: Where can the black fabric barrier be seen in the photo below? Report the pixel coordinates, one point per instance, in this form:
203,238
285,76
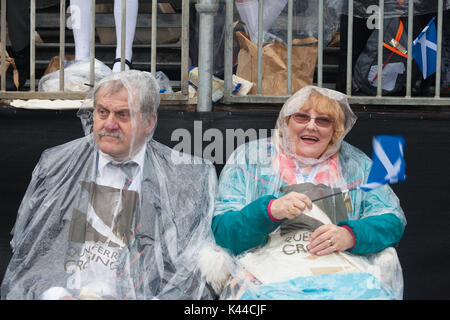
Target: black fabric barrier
424,250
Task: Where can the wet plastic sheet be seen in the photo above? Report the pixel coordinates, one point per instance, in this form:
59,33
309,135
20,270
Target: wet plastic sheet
258,168
305,15
164,82
345,286
305,19
76,77
80,238
301,275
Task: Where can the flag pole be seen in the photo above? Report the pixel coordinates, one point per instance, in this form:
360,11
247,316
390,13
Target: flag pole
334,194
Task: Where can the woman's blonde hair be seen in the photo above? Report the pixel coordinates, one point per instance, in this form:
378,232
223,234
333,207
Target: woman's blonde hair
327,106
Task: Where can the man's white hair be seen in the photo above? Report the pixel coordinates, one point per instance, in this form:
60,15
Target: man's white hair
142,87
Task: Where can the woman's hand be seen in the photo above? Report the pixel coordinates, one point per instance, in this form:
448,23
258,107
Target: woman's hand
330,238
290,206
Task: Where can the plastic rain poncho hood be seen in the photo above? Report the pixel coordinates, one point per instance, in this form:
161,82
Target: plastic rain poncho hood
286,143
75,236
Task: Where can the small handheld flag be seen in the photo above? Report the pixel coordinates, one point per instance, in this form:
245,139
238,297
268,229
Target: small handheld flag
424,49
388,163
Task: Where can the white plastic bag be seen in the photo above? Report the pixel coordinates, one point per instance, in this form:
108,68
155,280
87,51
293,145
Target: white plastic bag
248,11
76,77
164,82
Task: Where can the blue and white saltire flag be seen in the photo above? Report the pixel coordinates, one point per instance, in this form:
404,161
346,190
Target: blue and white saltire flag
424,49
388,164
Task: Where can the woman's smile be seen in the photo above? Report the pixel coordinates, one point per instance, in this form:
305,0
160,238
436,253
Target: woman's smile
309,139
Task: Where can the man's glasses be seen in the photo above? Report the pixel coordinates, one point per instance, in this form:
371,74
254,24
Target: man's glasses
304,118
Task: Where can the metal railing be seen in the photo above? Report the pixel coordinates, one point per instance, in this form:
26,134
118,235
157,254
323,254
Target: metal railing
181,96
207,9
378,99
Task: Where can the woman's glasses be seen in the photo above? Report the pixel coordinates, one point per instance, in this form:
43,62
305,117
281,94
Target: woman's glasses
304,118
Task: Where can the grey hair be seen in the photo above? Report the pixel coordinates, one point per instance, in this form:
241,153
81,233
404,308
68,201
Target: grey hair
142,87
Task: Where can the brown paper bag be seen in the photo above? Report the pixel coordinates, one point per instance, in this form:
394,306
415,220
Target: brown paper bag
274,64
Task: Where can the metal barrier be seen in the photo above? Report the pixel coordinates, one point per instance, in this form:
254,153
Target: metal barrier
181,96
207,10
259,98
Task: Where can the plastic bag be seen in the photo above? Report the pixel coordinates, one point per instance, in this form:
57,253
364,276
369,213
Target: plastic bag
217,84
304,23
241,87
76,77
248,10
164,82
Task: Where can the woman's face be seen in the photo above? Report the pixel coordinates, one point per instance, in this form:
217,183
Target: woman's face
311,137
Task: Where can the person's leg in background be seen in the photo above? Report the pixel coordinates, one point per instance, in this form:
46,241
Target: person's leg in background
130,25
81,27
81,13
18,18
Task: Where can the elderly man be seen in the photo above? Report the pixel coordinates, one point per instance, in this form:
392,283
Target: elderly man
115,214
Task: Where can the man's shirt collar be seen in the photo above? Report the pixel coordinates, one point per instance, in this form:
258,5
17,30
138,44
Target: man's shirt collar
104,159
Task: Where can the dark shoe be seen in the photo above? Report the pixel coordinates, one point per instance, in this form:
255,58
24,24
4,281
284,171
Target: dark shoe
128,63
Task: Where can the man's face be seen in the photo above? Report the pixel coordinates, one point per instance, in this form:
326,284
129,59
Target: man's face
114,127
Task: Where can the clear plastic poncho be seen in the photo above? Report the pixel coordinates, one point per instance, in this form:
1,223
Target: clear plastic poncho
283,268
80,236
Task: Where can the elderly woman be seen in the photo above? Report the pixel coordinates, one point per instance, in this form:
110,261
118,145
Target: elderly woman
307,153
